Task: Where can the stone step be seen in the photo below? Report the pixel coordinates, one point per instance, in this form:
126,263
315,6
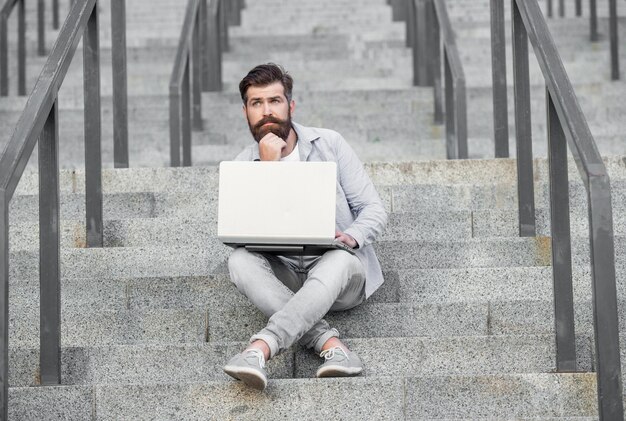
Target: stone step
152,311
410,198
417,287
81,327
198,229
548,396
396,198
476,285
233,318
210,258
377,29
190,363
119,206
202,180
482,252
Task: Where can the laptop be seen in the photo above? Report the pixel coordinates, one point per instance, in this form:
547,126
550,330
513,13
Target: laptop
278,207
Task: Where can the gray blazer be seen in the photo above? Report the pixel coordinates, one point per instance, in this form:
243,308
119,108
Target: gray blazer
360,212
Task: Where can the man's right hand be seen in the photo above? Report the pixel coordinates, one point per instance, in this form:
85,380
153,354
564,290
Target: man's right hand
271,147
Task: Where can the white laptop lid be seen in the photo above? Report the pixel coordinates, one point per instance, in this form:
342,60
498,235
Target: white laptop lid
277,202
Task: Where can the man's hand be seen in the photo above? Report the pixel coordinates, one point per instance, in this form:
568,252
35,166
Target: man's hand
346,239
271,147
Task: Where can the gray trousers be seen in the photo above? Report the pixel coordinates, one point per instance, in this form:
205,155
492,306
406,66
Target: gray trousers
296,292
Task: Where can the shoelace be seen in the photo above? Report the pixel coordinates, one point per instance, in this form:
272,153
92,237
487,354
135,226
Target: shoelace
329,354
257,353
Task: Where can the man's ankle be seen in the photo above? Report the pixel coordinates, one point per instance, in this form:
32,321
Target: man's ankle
262,346
332,343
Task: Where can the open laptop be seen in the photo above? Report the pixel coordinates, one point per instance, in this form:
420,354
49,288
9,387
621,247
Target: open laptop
281,207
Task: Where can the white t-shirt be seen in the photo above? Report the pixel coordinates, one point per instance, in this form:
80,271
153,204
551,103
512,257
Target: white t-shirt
293,156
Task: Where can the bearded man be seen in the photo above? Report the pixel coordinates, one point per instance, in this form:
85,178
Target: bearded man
296,292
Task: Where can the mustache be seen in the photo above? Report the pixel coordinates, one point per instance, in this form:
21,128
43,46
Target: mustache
268,119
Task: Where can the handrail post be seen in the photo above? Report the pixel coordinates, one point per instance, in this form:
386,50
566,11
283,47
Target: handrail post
604,295
120,84
4,56
421,69
498,69
456,123
41,30
436,68
49,251
21,48
175,121
614,39
93,130
593,21
460,121
398,8
561,242
523,133
215,48
223,25
186,114
579,8
4,304
196,62
234,16
55,14
204,45
410,23
550,8
451,144
562,8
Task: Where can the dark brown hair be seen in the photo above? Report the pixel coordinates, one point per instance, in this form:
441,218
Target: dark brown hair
263,75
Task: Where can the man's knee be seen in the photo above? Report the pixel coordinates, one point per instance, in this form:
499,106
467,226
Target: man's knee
345,263
239,263
338,269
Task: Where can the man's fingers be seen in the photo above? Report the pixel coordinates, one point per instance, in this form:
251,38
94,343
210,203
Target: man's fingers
270,147
272,139
345,238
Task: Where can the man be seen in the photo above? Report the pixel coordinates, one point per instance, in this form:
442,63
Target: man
295,292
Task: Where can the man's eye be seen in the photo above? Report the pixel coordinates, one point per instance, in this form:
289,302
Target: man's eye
275,101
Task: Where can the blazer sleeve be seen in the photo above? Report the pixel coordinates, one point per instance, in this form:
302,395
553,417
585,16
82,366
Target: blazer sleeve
362,197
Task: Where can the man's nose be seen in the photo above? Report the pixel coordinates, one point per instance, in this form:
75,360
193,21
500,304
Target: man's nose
267,110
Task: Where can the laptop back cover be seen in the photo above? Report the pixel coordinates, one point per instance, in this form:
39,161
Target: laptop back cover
276,202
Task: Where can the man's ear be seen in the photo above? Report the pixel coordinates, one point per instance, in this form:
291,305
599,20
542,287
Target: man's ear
292,106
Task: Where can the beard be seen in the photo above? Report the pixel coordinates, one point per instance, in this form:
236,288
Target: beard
280,128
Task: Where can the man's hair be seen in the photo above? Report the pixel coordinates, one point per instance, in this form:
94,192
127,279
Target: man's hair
263,75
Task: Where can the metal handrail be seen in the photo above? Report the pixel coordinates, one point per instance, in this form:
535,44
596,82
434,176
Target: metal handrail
455,91
38,124
197,68
567,125
430,34
187,55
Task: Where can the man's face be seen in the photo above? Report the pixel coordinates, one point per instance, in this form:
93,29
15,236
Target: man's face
267,110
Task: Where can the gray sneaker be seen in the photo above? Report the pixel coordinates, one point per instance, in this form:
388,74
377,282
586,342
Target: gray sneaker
339,363
249,367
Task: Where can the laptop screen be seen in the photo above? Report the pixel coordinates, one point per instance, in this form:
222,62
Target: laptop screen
276,202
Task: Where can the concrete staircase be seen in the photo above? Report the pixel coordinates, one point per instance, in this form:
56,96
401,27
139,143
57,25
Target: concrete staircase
463,326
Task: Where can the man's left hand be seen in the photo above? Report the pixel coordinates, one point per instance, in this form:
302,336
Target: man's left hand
346,239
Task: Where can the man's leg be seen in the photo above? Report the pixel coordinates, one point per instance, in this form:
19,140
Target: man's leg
336,281
269,283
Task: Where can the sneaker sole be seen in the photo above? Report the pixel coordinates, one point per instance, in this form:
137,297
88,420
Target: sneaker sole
249,376
337,371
